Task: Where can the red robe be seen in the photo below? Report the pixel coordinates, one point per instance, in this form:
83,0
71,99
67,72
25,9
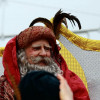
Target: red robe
10,65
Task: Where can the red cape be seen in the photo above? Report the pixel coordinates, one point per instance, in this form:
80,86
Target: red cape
10,64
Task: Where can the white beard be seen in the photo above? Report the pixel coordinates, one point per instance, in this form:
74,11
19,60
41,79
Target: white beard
26,67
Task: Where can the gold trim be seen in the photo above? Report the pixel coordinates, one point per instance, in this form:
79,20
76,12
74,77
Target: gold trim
83,43
1,51
73,64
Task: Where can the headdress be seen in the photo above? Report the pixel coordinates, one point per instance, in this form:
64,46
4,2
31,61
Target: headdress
50,32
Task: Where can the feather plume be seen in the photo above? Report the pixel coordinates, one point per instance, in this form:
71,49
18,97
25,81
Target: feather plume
42,20
58,19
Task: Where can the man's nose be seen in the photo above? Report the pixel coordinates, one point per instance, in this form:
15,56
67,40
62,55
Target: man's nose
43,52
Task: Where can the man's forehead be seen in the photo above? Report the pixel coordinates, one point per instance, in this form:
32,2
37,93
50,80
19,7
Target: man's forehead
39,42
39,45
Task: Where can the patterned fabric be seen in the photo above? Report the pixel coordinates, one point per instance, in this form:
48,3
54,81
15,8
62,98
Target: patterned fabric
72,63
6,92
90,63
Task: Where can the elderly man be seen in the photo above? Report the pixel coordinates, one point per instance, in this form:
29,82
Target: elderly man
35,48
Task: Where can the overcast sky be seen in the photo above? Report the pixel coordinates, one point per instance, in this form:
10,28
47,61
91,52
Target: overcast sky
16,15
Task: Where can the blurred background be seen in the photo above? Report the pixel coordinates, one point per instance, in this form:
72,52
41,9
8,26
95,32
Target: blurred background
16,15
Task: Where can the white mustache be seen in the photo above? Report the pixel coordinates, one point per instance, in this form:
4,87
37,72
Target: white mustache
38,59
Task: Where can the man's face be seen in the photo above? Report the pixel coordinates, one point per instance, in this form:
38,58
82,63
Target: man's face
38,48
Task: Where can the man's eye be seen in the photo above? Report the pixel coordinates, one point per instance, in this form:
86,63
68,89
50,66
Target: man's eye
36,48
47,48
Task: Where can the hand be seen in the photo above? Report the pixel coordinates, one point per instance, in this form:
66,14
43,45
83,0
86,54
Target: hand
65,91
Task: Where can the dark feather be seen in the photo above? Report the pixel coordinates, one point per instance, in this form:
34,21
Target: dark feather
59,17
65,22
56,20
42,20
